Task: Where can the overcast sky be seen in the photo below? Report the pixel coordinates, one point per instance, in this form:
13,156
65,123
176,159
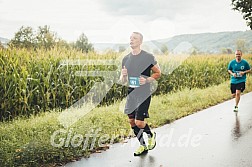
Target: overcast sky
114,20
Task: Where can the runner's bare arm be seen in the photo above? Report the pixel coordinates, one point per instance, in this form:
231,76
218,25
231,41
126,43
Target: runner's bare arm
124,76
231,73
156,74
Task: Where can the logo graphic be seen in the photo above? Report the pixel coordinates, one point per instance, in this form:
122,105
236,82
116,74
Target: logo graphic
92,99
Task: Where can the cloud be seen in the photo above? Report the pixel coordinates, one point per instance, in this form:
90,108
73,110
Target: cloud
153,9
102,19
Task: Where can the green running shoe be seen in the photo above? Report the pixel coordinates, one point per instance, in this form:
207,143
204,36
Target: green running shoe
141,150
152,141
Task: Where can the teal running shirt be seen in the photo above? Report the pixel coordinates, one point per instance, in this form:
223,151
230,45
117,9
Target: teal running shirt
236,67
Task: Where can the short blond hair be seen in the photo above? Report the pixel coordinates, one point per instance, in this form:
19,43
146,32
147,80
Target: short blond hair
238,50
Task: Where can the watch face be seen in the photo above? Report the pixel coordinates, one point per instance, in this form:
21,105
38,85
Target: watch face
134,82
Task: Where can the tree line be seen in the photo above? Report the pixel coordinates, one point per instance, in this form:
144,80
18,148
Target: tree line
44,38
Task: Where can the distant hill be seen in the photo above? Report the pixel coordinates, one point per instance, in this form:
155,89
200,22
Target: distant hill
204,42
4,41
108,46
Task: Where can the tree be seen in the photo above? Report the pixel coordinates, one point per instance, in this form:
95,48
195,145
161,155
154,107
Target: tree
121,49
164,49
226,51
1,45
250,51
245,7
195,50
83,45
60,43
156,51
229,51
45,38
24,38
241,45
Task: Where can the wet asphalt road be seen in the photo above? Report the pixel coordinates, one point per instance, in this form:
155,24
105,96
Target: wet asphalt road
214,137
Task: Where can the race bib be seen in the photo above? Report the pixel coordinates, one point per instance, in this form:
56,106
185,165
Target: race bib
238,74
134,82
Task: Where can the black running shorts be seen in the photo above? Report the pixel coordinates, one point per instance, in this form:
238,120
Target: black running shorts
239,86
137,108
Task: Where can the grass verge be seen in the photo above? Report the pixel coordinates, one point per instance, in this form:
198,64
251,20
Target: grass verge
29,142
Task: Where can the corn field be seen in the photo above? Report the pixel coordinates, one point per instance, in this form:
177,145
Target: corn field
34,81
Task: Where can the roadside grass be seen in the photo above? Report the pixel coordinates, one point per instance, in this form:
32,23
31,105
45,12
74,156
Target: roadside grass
28,141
